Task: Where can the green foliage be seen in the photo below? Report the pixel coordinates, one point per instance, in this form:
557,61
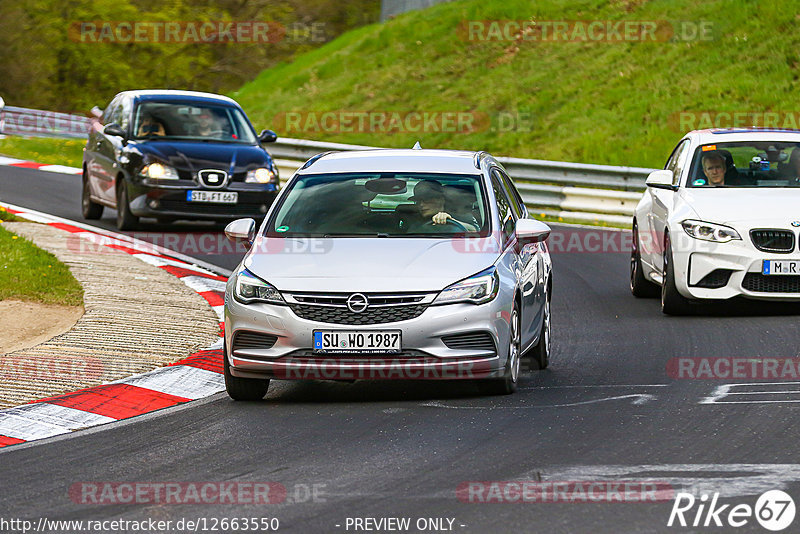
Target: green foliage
32,274
48,63
604,102
44,150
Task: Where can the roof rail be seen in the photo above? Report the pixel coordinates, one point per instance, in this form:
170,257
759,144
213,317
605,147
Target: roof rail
313,159
477,158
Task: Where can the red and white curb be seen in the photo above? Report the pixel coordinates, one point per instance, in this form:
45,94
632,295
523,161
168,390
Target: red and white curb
63,169
197,376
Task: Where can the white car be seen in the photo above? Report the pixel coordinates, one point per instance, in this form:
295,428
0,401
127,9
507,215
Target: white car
721,220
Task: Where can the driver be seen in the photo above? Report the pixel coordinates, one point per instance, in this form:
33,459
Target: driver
714,168
150,126
207,124
429,201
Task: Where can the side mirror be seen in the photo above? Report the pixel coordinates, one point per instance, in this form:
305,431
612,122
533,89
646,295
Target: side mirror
115,130
661,179
267,136
241,230
96,112
531,231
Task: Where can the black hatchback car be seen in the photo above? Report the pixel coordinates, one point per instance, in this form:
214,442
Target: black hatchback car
176,155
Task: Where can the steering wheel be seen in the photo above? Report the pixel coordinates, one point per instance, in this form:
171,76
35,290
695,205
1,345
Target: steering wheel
452,222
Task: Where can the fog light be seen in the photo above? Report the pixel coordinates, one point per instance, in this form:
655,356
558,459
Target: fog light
153,204
263,208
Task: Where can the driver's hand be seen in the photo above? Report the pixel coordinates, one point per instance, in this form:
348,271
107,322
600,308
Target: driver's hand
441,218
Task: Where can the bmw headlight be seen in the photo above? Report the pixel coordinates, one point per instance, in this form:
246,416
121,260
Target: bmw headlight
249,288
262,175
709,231
159,171
478,289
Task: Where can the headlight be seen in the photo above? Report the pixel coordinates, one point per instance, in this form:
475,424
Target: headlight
159,171
477,289
250,288
262,176
709,231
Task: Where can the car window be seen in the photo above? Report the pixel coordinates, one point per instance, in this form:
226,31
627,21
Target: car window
124,113
392,204
507,219
746,164
672,162
191,121
110,112
511,193
680,162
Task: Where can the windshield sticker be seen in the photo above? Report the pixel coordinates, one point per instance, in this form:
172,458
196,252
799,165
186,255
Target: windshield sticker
282,229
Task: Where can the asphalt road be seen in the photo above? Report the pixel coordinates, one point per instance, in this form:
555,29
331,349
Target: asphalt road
606,410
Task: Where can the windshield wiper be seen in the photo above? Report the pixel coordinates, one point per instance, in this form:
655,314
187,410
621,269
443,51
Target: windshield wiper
378,234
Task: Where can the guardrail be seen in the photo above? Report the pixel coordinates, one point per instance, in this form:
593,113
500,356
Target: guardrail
39,123
572,191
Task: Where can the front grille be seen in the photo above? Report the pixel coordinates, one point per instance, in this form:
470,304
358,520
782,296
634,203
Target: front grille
382,307
308,356
781,241
338,315
715,279
480,341
760,283
253,340
212,178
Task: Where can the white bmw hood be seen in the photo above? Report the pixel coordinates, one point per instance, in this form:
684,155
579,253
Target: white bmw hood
368,264
751,206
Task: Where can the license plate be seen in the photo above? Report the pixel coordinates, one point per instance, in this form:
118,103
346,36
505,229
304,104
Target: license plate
218,197
377,341
780,267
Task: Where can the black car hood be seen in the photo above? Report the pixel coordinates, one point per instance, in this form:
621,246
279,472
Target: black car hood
194,156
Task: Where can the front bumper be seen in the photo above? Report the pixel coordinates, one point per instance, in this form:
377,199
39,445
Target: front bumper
146,200
424,355
696,261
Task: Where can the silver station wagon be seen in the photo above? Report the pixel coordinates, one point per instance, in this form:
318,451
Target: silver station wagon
390,264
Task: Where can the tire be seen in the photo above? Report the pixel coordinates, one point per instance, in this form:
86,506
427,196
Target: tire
125,219
508,383
641,287
672,302
539,355
243,389
90,210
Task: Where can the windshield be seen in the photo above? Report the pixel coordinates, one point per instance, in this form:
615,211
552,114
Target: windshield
382,204
746,164
202,122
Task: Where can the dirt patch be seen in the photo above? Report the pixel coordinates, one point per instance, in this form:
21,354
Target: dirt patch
26,324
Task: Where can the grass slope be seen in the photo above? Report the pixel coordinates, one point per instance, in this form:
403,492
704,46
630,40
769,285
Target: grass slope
44,150
32,274
608,103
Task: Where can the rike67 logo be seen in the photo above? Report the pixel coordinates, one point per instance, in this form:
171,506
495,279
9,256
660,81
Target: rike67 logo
774,510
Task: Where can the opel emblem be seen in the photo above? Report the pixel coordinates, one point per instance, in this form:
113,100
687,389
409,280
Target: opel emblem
357,303
795,223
